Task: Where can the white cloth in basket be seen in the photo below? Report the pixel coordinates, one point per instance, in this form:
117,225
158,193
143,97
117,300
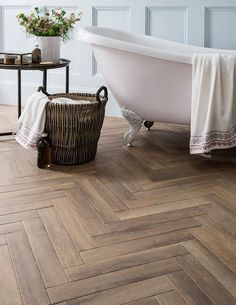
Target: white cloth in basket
31,123
69,101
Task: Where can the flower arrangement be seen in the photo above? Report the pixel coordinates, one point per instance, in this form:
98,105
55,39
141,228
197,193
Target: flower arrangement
45,22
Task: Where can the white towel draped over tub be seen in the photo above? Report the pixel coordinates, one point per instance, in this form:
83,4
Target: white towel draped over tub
31,123
213,109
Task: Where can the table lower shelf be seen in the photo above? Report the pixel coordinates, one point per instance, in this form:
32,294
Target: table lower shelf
7,133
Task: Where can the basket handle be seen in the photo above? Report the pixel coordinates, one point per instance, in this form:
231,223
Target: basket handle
41,88
105,96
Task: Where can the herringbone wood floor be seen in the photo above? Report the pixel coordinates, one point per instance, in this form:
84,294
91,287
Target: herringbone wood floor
148,225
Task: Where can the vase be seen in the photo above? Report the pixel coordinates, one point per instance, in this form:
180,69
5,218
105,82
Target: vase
50,48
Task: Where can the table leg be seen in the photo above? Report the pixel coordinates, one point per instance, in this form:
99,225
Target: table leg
67,79
45,79
19,102
19,93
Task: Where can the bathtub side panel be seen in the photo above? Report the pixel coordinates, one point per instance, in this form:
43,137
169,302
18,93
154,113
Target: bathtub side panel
157,90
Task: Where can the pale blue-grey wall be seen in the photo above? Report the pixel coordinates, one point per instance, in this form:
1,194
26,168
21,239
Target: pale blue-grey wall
210,23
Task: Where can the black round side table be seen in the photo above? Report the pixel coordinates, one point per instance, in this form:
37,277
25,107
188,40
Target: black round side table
40,67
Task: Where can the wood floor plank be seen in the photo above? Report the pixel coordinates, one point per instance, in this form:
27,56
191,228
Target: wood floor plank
226,196
161,208
91,220
125,261
170,226
217,240
20,200
189,290
180,171
137,222
17,187
134,179
221,215
9,291
171,194
25,207
28,276
4,149
40,177
3,181
16,217
111,175
197,179
22,161
147,156
127,293
11,227
62,243
37,190
10,165
73,224
99,204
115,204
135,245
44,253
216,246
170,298
3,240
215,266
147,301
205,280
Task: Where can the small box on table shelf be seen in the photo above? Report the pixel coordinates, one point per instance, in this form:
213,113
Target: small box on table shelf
15,58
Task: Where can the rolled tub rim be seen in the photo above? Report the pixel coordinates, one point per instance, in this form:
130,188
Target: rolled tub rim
93,35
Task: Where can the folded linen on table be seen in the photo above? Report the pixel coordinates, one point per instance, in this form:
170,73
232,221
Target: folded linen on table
213,108
31,123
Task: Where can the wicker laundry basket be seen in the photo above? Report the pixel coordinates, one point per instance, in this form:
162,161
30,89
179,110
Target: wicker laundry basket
74,129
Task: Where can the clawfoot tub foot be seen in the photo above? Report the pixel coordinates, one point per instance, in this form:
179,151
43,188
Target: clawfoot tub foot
148,124
135,124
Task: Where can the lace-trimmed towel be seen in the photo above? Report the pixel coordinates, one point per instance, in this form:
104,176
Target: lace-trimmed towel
31,123
213,113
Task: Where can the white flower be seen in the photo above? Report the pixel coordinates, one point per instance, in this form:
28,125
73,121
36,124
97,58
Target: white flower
45,10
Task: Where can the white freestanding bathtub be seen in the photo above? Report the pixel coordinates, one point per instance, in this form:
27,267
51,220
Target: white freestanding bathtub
150,78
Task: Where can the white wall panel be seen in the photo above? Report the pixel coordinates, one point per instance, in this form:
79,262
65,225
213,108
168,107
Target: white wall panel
66,48
14,39
110,17
114,17
167,23
220,23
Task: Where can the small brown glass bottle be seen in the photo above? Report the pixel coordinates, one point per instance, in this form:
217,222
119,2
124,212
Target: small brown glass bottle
44,152
36,55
